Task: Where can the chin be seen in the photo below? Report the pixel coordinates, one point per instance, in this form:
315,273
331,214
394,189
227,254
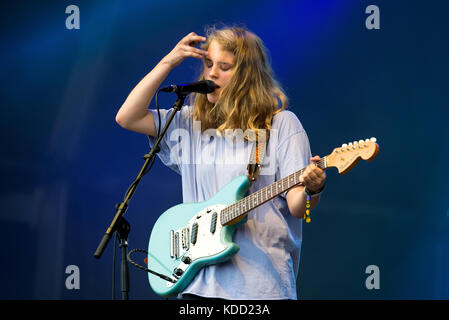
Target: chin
211,98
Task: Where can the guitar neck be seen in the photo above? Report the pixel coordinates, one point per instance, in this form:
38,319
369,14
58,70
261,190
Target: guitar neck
237,211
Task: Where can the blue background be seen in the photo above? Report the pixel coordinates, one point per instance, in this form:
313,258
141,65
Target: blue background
65,162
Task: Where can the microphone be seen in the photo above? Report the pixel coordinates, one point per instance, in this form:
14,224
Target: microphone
203,86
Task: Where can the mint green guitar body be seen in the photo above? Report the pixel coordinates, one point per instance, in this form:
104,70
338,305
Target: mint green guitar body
189,236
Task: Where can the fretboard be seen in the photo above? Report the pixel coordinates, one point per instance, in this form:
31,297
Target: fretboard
243,206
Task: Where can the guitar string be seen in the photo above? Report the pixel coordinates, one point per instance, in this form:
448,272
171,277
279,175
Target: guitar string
236,207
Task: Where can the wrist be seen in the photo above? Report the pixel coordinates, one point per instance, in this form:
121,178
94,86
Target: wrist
166,62
314,193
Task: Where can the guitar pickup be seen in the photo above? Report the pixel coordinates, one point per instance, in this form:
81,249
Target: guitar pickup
194,233
213,222
185,238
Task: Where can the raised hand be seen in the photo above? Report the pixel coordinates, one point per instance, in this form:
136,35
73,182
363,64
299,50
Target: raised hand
185,48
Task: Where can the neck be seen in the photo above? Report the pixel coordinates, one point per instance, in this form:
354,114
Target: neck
238,210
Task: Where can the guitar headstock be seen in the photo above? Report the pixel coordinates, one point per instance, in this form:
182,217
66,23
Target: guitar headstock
346,157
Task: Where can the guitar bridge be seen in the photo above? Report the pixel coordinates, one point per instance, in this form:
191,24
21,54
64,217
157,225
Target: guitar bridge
174,244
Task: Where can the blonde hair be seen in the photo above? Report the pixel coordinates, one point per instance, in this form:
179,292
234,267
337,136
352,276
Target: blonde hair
252,97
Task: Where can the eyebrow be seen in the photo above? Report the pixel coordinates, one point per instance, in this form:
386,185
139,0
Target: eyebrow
219,62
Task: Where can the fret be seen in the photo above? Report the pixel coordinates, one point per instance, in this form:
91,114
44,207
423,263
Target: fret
263,195
236,210
232,212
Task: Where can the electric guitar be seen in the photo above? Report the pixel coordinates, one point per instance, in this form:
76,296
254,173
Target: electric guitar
189,236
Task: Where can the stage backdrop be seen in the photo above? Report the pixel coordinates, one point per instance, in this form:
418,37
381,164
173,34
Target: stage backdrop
351,69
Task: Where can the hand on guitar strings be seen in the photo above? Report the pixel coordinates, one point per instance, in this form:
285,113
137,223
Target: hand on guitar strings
313,177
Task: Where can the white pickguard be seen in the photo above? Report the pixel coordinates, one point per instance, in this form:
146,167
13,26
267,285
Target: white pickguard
207,244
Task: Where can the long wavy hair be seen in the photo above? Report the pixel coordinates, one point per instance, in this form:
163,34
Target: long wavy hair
252,97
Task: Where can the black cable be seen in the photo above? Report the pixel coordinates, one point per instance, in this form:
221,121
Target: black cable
146,269
134,263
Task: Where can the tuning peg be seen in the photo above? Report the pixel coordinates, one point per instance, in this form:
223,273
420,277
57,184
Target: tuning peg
366,140
350,143
344,145
355,142
361,141
373,139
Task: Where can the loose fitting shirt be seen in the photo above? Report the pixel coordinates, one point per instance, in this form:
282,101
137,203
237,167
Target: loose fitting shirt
267,264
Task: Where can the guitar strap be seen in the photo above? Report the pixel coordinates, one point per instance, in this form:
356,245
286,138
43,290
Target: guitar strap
256,159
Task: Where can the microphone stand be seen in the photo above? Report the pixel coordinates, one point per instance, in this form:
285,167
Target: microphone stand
119,224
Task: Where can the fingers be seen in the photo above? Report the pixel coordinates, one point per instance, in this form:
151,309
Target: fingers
194,52
186,48
313,177
188,43
192,39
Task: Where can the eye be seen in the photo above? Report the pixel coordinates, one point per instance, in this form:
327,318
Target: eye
208,63
225,67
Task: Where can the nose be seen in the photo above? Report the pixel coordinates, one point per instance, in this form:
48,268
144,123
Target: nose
213,72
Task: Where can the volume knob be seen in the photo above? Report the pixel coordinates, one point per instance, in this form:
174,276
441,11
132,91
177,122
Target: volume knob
178,272
186,260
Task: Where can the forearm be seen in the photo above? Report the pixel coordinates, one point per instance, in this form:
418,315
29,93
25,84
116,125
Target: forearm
136,104
134,114
297,200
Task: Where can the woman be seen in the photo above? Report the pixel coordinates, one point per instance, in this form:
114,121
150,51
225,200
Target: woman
246,98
